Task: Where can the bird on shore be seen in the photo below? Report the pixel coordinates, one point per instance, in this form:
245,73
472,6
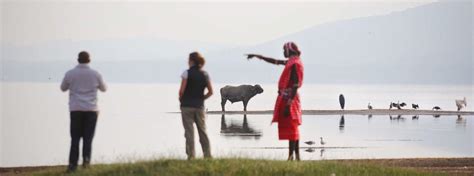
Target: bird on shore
391,105
342,101
322,141
403,104
369,106
461,103
436,108
396,105
415,106
310,142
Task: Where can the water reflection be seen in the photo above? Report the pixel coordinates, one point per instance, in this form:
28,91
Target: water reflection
415,117
461,122
321,152
399,118
342,123
244,131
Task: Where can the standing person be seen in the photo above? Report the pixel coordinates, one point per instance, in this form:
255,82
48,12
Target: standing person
82,83
191,95
287,111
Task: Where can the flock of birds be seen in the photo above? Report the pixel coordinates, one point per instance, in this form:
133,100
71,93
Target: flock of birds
459,104
310,143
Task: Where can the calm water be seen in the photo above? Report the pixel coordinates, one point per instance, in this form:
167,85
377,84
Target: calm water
135,123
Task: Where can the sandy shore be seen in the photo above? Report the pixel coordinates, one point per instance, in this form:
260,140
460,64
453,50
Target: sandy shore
451,166
360,112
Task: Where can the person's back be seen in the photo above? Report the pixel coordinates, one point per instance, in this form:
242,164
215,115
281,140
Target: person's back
83,84
191,95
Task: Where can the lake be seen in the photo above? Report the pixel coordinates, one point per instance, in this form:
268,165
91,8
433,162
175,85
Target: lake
139,122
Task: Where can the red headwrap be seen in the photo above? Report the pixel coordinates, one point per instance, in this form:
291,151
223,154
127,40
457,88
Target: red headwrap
290,46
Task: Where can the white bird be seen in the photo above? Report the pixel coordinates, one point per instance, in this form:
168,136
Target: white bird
461,103
322,141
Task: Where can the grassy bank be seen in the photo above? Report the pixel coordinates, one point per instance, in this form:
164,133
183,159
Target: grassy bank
243,167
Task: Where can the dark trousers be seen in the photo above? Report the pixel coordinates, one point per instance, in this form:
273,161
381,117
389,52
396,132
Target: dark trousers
82,126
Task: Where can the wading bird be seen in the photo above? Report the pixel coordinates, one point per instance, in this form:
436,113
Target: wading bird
461,103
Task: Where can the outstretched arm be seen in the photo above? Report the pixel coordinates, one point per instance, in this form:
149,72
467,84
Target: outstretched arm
267,59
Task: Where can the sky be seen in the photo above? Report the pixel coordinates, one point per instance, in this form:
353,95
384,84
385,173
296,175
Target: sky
28,22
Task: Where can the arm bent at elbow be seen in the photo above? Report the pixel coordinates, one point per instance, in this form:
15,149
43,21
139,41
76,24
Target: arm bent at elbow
65,84
210,91
182,87
102,85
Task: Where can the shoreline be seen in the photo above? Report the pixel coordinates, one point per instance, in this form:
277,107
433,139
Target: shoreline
356,112
461,165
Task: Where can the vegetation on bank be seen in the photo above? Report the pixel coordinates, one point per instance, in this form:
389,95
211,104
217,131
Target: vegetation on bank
228,167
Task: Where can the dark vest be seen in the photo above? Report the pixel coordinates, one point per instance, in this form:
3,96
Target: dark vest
194,92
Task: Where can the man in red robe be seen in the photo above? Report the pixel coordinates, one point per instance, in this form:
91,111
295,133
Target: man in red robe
287,111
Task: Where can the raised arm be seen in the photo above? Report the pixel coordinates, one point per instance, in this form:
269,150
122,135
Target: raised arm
267,59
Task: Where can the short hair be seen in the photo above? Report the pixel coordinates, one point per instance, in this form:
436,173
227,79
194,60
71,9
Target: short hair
197,58
83,57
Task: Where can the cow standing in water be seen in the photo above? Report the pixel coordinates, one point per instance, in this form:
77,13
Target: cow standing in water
240,93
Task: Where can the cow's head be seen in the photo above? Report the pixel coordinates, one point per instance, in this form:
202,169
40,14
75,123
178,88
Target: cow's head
257,89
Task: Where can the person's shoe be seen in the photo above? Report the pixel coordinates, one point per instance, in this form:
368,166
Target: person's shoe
71,169
290,158
86,165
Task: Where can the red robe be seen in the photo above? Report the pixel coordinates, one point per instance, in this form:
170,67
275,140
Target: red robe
288,125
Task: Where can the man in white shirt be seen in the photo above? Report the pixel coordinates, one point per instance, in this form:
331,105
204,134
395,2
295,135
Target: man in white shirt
82,83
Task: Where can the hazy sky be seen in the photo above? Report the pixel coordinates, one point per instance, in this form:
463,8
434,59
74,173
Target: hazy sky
236,23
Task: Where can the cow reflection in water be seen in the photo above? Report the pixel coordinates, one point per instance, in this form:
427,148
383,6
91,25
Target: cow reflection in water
243,131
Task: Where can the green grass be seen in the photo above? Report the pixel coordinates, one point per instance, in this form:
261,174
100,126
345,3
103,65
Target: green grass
227,167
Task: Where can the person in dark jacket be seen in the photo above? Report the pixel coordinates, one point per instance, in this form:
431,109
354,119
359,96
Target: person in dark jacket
191,95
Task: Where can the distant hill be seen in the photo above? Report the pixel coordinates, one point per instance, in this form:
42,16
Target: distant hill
430,44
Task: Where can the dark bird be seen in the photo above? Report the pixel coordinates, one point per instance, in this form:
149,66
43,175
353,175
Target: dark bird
342,101
391,105
369,106
436,108
310,142
415,106
403,104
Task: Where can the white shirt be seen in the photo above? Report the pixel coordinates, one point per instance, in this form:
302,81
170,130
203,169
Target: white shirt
83,83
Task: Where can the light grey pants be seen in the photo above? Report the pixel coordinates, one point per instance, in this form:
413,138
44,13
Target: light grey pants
191,116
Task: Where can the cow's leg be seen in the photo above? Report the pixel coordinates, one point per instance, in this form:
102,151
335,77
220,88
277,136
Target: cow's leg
245,105
223,101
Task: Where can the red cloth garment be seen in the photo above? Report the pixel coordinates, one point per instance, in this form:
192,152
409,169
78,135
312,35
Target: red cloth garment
288,125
